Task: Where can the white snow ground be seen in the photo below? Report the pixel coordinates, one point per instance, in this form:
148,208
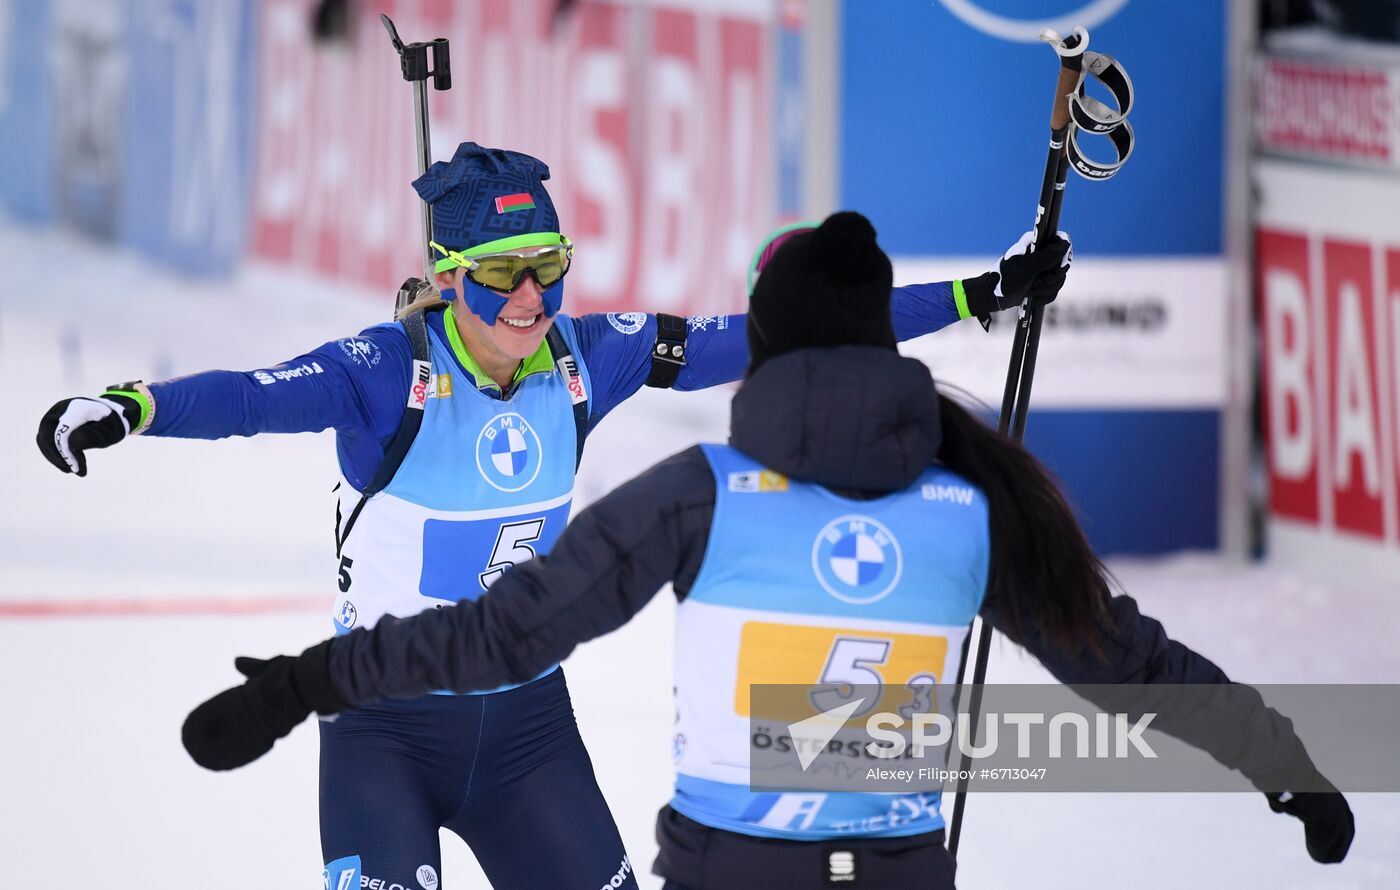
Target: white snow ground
95,789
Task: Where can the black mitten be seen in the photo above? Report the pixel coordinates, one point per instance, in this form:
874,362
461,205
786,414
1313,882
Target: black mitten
239,725
1328,825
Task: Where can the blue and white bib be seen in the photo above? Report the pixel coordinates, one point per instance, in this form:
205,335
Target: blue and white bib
802,586
487,484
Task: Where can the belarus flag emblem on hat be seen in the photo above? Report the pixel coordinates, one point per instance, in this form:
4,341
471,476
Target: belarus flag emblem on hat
519,201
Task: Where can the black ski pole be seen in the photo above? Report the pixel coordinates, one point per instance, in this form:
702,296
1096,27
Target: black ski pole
1021,372
1073,112
413,61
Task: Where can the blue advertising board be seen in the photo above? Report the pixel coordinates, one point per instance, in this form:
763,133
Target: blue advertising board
131,121
945,111
189,132
25,111
789,130
944,122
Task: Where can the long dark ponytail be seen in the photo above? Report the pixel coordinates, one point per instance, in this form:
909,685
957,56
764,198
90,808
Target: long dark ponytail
1044,580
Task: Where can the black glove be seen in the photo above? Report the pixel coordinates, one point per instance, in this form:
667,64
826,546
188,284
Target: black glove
1328,825
239,725
74,425
1023,271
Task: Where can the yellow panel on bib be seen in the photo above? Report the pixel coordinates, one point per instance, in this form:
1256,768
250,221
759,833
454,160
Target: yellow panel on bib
803,656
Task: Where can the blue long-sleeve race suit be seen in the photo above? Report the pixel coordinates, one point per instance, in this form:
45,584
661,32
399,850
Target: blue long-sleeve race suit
358,386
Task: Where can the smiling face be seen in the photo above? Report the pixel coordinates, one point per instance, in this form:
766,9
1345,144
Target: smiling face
517,334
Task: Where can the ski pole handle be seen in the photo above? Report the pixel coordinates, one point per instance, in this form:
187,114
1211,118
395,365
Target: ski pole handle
1071,52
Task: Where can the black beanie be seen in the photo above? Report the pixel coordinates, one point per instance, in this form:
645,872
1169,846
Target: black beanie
827,287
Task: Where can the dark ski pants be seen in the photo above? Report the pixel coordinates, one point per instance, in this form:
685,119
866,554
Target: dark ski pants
697,857
507,772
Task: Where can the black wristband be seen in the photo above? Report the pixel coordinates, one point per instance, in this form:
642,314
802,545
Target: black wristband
668,353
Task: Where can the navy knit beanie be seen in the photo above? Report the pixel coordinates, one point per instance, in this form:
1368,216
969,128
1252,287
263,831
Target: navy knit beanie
486,194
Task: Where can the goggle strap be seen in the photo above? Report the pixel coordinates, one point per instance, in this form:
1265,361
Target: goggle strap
466,259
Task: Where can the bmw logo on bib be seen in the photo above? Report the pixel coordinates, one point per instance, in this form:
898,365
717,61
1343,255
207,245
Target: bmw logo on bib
508,452
857,560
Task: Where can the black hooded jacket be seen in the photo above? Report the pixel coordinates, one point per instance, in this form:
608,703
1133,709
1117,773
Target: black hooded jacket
860,420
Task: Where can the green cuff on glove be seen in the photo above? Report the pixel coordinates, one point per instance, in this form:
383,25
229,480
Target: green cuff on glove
960,299
136,392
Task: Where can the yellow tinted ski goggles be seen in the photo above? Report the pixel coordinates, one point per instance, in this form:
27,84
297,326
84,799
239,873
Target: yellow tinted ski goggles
490,266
